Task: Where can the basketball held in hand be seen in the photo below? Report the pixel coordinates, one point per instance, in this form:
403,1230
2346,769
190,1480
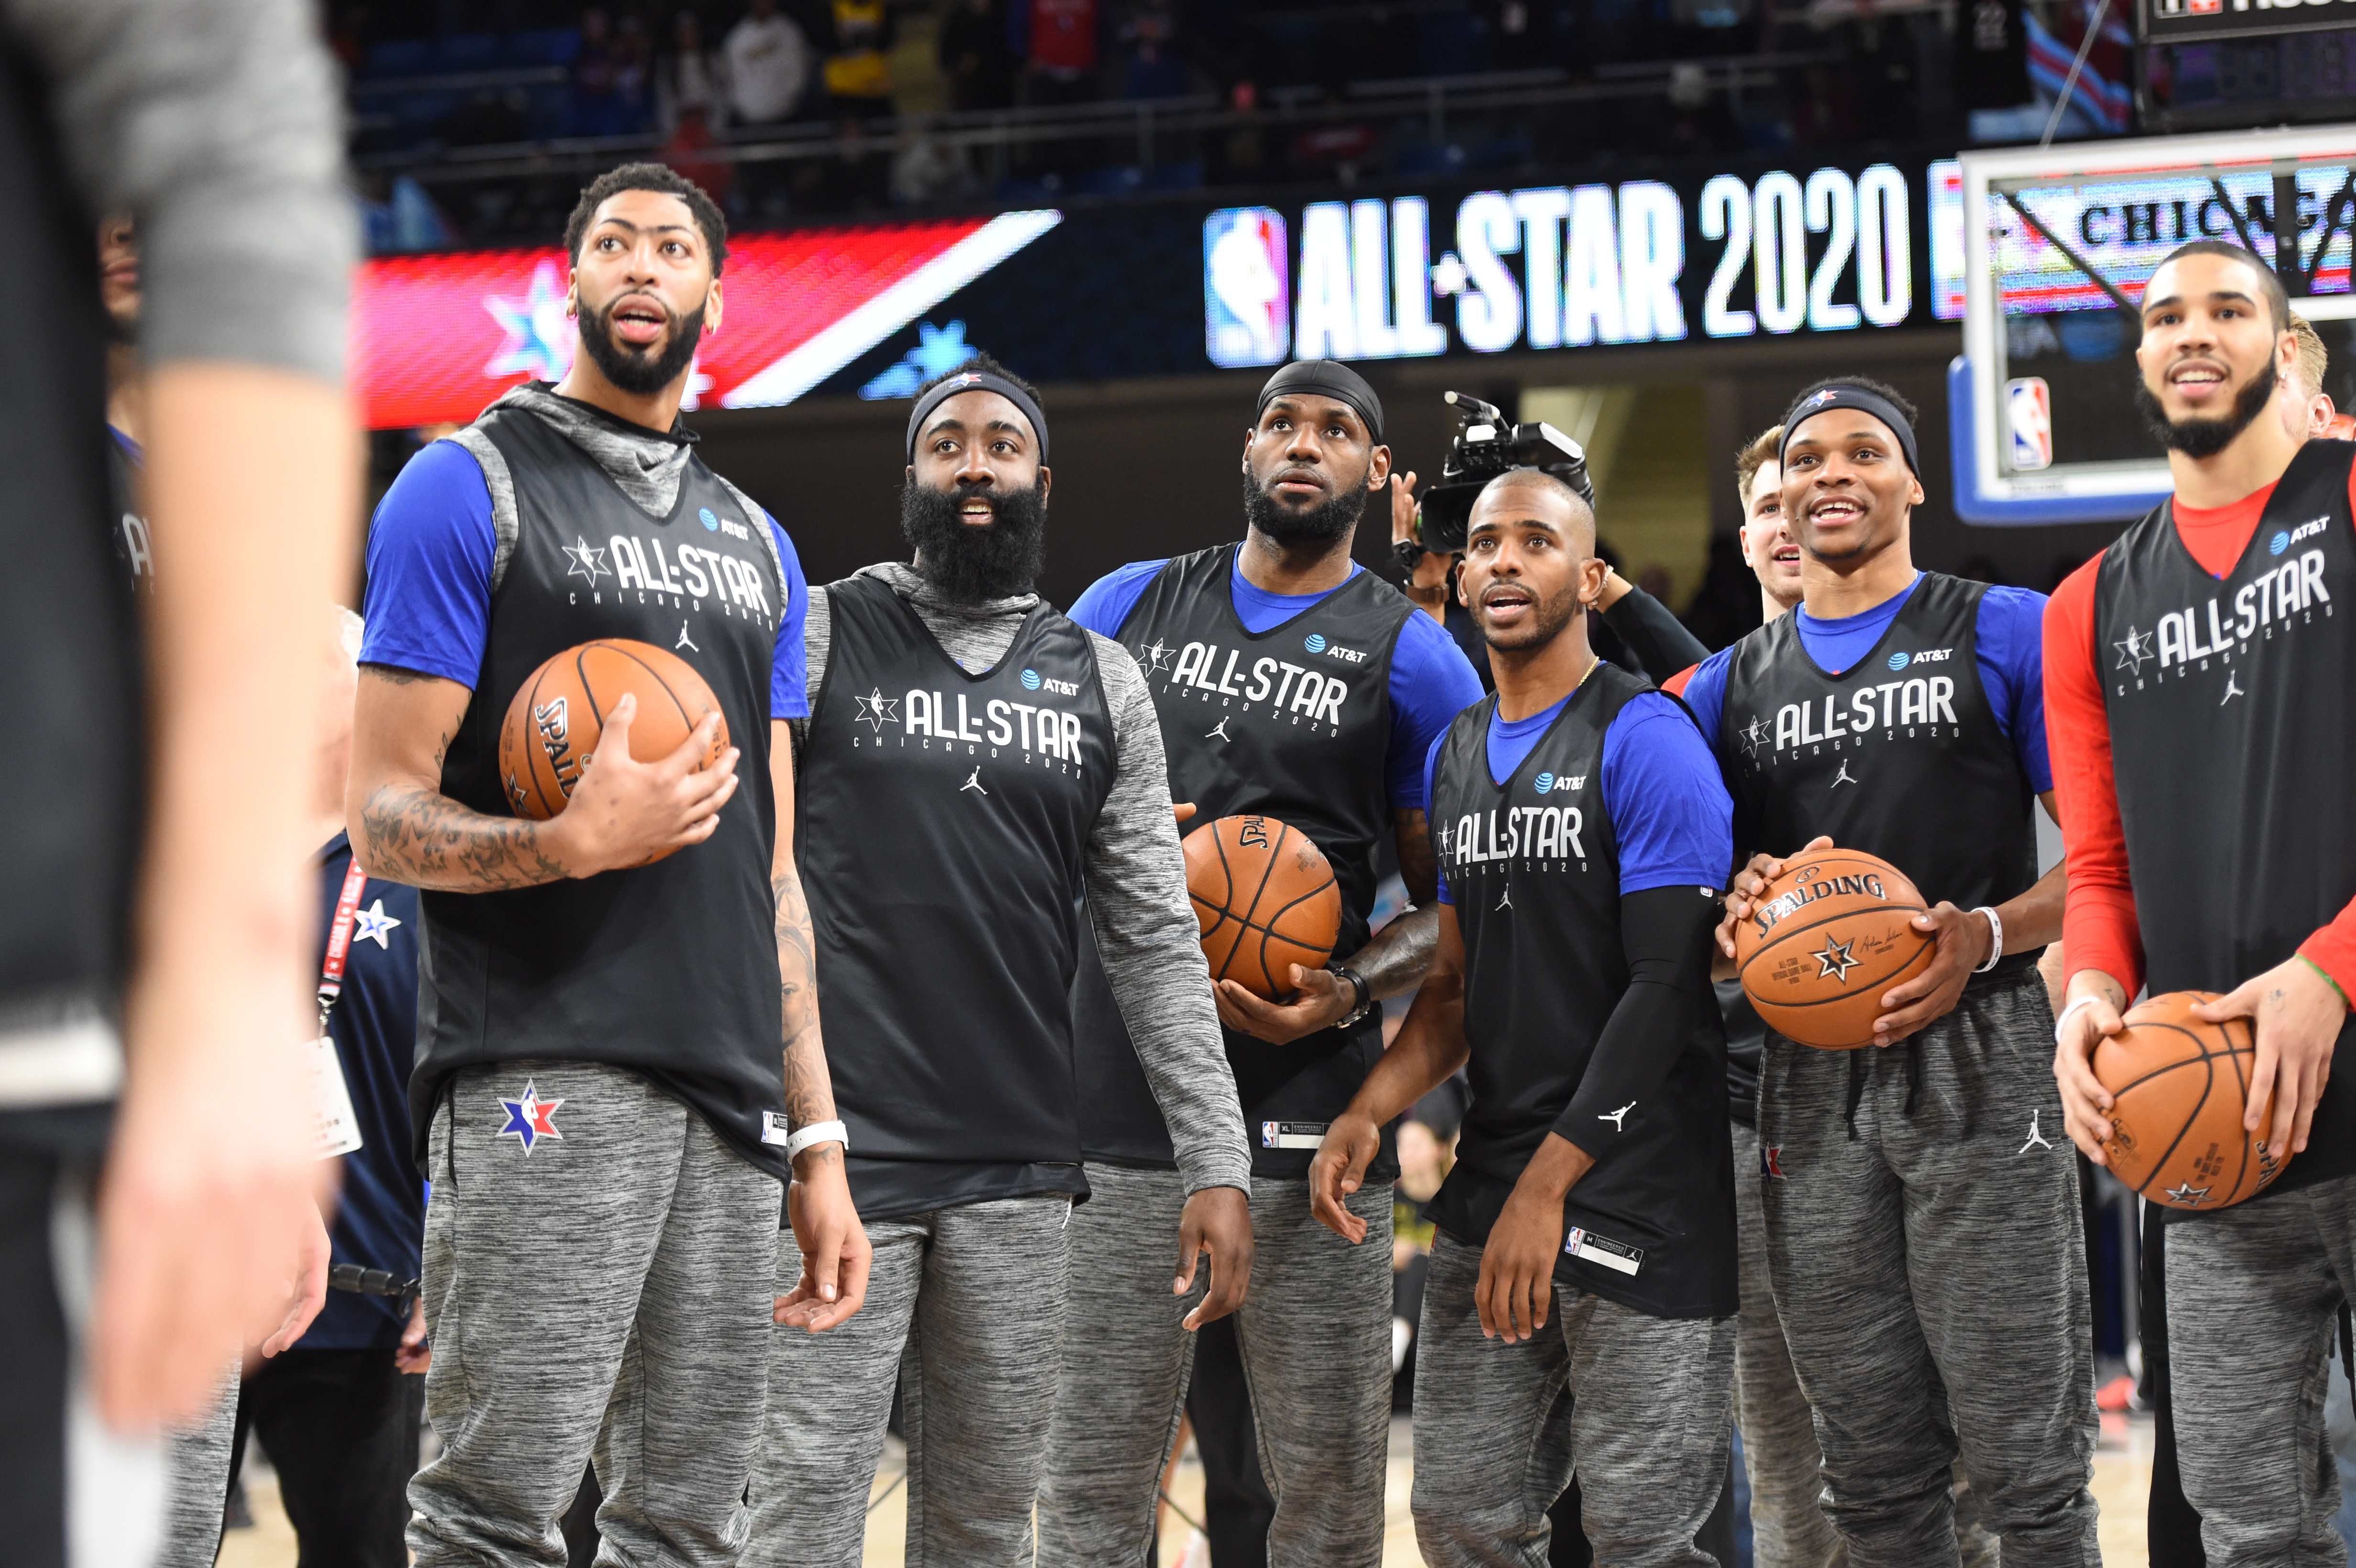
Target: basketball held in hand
552,727
1824,942
1265,899
2179,1086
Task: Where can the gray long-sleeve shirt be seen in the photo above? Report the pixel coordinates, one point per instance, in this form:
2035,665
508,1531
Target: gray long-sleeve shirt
217,124
1136,879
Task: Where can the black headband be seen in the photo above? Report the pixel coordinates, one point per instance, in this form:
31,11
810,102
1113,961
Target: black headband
1864,402
1329,378
978,381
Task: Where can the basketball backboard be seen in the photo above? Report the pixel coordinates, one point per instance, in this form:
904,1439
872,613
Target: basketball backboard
2057,243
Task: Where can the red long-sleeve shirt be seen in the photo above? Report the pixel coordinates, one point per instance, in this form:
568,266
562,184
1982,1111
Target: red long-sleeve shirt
2099,930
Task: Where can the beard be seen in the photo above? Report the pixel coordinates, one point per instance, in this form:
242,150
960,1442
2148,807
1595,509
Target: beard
1330,519
1553,615
641,372
2198,438
969,562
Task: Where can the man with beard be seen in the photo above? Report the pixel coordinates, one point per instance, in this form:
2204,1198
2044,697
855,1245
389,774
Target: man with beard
1291,682
1594,1178
2198,674
596,1091
1900,713
974,764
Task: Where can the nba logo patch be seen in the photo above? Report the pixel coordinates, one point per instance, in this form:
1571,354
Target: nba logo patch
1246,287
1771,1162
529,1118
2028,414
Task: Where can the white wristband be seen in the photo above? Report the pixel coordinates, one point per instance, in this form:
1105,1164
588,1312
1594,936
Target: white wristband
2086,1001
1996,948
817,1133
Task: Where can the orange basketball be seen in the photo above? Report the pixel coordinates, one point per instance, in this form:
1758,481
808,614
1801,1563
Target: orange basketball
552,727
1265,899
2179,1088
1825,941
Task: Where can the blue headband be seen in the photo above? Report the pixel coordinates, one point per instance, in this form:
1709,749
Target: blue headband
978,381
1848,397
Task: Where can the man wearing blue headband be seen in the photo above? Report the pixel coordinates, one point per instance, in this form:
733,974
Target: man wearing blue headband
1923,1232
1289,681
972,765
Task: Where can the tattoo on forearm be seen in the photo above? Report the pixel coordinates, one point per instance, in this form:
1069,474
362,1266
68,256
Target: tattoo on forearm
1419,865
809,1089
425,839
1396,960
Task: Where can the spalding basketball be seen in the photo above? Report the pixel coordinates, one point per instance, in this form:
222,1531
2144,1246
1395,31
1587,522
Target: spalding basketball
552,725
1265,899
2178,1087
1825,941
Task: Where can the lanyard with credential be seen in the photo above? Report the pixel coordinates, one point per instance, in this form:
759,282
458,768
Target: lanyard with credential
339,941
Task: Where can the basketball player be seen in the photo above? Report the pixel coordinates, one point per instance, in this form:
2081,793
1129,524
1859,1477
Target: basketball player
1287,681
975,762
1593,1177
2198,672
1899,713
596,1093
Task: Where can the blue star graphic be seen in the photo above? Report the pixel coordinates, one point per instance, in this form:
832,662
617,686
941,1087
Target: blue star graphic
938,350
530,1117
371,924
539,342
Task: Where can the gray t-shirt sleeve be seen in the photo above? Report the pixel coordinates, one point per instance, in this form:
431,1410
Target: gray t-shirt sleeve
1150,942
217,124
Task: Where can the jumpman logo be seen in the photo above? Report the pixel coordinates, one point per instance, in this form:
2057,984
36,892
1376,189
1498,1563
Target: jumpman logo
1843,776
2036,1138
684,640
1507,902
973,783
2233,690
1617,1118
1218,735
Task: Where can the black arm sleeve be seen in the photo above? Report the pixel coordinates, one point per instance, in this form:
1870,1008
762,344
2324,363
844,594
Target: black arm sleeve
1664,933
1657,638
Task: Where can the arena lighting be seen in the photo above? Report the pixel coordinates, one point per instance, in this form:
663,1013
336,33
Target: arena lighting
436,338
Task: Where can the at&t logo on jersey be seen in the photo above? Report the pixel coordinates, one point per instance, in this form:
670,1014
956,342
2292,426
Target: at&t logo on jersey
1316,643
1034,681
1547,783
1290,690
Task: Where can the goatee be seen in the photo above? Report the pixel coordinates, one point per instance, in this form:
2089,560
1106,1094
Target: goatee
639,372
2197,438
1330,519
969,562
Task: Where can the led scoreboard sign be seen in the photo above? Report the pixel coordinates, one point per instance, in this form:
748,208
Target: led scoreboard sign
1568,266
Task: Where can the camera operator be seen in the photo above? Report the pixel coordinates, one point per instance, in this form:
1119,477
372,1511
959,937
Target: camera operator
1636,632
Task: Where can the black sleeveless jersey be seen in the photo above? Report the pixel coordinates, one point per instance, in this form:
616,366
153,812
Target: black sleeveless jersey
1900,756
1533,872
1294,722
670,970
943,823
2232,717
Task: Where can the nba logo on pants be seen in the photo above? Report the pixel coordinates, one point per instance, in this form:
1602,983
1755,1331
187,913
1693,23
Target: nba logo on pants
2029,412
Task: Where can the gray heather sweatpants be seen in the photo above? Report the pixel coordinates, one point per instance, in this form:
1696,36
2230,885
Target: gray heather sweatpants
2254,1296
196,1461
1639,1407
1931,1276
603,1296
965,1314
1788,1527
1315,1335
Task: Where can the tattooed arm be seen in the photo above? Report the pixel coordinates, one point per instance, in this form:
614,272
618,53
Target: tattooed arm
835,1253
405,829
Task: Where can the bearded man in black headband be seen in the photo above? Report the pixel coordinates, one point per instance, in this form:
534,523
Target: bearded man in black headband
1288,681
973,763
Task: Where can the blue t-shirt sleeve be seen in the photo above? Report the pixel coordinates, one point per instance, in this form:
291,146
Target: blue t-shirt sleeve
2010,634
1108,600
789,668
1432,683
430,548
1431,767
1671,815
1706,695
